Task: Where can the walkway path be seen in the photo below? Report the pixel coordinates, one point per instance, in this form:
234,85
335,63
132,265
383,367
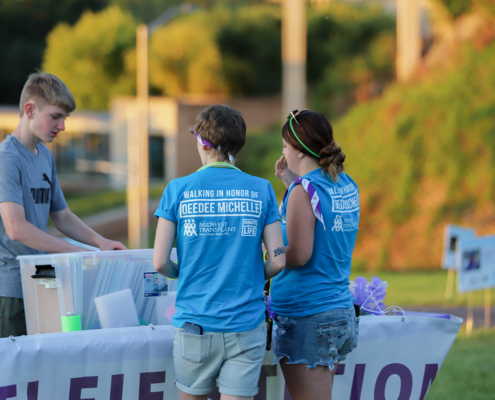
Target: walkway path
111,224
461,312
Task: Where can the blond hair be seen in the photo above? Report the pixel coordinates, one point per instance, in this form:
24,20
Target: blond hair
45,88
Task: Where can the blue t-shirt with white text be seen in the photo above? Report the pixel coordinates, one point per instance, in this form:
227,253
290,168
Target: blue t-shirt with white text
323,283
220,215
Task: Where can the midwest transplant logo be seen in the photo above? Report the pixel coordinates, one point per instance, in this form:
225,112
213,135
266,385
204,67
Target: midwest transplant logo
190,228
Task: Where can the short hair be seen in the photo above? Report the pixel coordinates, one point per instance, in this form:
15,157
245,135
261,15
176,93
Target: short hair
224,127
314,130
47,89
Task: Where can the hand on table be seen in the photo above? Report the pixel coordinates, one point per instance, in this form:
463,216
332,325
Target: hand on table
105,244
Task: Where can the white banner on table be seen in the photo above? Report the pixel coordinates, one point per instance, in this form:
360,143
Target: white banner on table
453,236
476,258
396,359
107,364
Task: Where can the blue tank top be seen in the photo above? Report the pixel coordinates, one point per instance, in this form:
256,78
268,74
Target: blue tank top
323,283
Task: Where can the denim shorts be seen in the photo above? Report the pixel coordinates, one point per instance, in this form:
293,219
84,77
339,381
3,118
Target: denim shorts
230,360
319,339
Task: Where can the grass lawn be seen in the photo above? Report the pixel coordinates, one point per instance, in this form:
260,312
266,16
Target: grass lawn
93,203
422,288
468,371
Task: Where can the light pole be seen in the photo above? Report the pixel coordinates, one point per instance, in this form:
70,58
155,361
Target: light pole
294,38
408,38
138,140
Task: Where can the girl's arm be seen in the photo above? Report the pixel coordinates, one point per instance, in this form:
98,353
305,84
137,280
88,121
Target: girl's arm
164,240
300,228
283,172
272,236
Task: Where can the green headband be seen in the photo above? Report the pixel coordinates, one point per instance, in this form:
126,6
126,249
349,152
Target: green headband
299,140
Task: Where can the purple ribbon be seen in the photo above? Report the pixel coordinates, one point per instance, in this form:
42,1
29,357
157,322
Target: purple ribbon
206,143
315,200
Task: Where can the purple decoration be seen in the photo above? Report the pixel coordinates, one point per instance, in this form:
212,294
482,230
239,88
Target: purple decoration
270,312
360,293
205,142
369,296
378,288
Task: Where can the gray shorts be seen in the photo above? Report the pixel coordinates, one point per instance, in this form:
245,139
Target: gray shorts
231,360
319,339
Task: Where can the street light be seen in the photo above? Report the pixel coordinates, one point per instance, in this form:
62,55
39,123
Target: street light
294,38
137,150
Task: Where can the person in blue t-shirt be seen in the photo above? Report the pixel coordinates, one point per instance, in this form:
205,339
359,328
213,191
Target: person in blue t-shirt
316,320
219,216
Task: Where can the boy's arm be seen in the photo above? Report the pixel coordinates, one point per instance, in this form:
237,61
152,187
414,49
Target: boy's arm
272,236
70,225
164,241
20,230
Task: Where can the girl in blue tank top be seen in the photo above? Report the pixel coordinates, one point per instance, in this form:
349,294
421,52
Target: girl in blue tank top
317,324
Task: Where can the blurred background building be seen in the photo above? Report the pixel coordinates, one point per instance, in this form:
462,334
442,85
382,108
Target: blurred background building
92,153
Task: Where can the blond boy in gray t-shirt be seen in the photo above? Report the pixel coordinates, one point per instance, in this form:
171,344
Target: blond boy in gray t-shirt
30,193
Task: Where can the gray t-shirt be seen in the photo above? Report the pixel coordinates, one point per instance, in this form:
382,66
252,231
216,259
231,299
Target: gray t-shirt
30,180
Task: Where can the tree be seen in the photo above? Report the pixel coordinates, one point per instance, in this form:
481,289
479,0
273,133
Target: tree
23,28
184,56
250,45
225,50
90,57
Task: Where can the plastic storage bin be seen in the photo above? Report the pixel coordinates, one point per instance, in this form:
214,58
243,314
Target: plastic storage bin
80,277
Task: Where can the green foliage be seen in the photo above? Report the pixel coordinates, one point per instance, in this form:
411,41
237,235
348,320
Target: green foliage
184,57
250,46
423,155
459,7
145,11
223,49
422,150
23,28
341,31
90,56
259,154
350,50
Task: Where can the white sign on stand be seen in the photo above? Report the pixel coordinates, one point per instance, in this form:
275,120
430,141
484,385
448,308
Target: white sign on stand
454,235
476,260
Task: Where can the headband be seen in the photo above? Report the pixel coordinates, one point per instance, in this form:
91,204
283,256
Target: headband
299,140
208,144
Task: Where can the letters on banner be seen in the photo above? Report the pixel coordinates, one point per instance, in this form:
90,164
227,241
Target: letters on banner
397,358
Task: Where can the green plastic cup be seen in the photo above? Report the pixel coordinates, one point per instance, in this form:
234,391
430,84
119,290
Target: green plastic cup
71,323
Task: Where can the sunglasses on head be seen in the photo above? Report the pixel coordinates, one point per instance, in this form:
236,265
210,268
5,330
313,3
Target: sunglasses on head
293,114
